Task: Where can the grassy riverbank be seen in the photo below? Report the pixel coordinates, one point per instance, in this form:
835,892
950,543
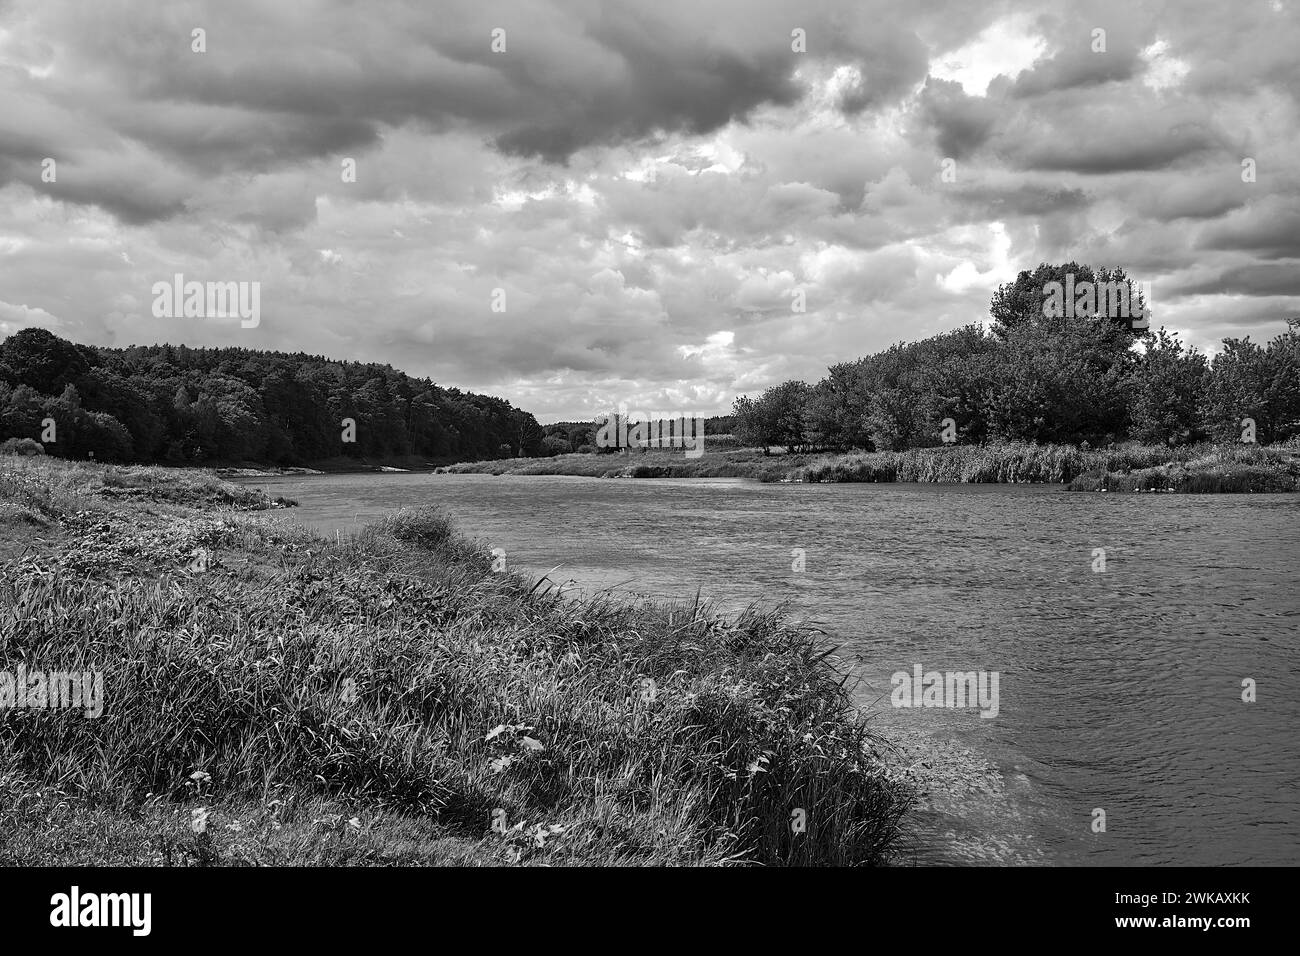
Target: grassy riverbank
382,700
1197,468
1194,468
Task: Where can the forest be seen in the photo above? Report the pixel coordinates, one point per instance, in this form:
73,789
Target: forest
1033,374
1037,376
181,405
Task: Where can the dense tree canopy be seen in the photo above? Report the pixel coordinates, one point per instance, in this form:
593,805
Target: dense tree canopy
1084,377
1026,301
179,404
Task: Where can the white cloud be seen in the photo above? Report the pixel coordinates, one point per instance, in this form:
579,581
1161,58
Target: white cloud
16,317
1164,71
1007,46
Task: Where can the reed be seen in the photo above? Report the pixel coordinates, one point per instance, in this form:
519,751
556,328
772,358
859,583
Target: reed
1191,468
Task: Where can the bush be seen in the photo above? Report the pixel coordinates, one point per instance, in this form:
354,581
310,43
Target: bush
21,446
553,445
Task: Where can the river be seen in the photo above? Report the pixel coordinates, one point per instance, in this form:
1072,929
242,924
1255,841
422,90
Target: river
1119,690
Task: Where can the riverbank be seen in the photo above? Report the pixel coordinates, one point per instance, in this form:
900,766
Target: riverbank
272,697
327,466
731,463
1193,468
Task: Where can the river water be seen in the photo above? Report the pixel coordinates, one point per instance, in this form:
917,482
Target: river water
1119,690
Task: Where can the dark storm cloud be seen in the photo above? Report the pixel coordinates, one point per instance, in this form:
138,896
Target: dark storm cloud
89,164
1078,66
132,206
1258,279
280,85
960,123
1270,229
1091,45
987,202
1098,142
1200,195
668,82
889,58
217,140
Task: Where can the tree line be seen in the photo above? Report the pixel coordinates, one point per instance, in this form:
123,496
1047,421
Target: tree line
166,403
1040,376
561,438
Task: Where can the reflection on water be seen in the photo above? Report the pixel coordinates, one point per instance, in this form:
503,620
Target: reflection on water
1118,690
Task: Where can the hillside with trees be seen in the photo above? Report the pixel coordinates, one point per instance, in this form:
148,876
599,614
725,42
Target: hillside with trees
181,405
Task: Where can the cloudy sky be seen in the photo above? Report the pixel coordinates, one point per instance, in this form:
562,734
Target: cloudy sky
650,183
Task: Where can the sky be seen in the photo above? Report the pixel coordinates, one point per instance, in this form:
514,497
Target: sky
576,205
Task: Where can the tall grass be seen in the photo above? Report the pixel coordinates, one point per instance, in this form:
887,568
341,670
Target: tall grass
1204,470
385,699
1087,468
958,463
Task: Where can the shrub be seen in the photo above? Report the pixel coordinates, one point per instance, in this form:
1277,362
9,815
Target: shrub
21,446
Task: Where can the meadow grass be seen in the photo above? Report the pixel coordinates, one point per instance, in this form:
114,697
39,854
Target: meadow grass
388,699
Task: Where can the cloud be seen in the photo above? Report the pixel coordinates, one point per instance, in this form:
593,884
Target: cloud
961,123
13,318
1269,229
1098,139
647,183
1256,279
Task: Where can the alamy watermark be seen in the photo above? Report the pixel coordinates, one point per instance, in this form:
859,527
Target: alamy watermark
652,431
946,689
75,908
208,300
52,690
1113,299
